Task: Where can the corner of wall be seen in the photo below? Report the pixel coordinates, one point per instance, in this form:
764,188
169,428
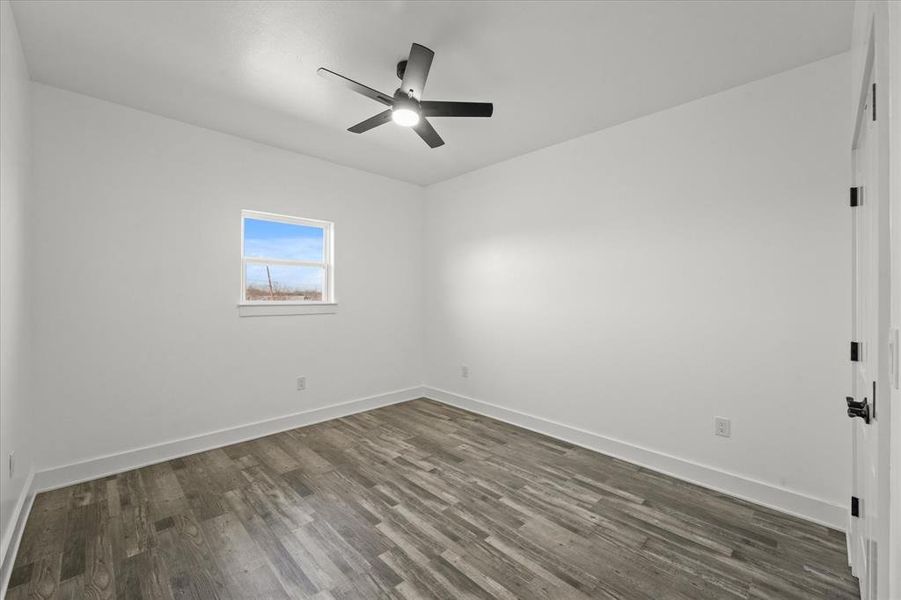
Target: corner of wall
16,409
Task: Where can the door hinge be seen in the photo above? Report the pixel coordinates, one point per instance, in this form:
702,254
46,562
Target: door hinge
855,506
874,400
855,351
874,101
855,196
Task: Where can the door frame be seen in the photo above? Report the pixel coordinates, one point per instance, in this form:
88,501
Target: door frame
867,513
872,58
893,130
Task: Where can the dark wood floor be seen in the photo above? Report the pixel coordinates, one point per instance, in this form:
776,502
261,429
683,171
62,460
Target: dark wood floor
416,500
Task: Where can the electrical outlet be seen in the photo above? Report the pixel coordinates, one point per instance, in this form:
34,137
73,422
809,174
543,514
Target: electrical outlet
722,426
301,384
464,371
12,464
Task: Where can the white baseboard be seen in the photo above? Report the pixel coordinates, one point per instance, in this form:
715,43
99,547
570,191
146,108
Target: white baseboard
778,498
9,545
110,464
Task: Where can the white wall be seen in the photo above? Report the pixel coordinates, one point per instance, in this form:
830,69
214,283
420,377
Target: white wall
15,160
641,280
136,279
635,282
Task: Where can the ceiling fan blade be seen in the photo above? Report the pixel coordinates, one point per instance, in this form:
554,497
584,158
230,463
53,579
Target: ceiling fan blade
428,134
417,70
436,108
371,122
357,87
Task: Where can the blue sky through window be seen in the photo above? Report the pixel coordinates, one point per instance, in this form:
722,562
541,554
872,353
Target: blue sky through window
285,241
271,239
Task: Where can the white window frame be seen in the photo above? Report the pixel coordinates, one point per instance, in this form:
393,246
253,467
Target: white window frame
327,264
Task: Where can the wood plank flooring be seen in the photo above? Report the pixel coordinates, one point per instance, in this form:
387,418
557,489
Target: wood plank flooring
415,500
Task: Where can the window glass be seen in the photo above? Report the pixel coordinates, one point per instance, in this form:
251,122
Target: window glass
283,283
286,259
272,239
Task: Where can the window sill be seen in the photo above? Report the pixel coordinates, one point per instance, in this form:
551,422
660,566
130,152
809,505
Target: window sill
274,310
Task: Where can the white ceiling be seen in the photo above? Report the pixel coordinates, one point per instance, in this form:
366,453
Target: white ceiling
554,70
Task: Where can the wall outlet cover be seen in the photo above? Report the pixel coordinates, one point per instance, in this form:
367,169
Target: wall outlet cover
301,383
722,427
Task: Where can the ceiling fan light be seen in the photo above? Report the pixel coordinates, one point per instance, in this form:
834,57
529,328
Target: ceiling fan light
405,117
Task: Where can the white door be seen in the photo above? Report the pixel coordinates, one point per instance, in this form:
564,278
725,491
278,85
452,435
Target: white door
863,408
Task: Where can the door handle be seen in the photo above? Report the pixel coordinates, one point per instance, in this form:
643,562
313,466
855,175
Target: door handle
858,409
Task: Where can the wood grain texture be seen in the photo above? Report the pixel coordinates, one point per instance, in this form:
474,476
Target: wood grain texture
416,500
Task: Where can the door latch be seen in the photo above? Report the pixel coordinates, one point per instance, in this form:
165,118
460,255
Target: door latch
858,409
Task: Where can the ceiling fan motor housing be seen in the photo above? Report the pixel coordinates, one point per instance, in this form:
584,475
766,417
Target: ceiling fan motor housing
405,100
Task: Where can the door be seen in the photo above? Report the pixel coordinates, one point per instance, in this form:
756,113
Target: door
863,407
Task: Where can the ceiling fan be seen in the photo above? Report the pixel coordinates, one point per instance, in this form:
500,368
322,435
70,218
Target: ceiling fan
406,107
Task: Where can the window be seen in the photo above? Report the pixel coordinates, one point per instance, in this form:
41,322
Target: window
285,260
